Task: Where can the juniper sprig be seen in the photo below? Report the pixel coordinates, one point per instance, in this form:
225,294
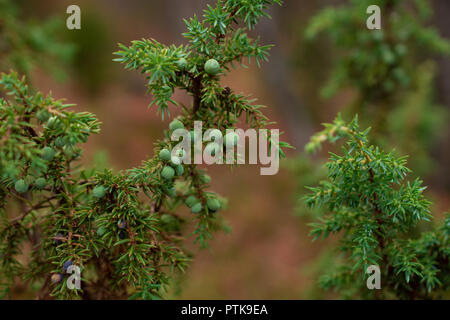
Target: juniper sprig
376,209
124,230
378,63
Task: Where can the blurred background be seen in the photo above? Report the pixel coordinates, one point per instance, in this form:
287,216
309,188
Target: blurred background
268,253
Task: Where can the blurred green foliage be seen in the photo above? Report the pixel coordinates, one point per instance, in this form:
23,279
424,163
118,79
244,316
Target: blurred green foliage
391,73
91,61
27,43
380,64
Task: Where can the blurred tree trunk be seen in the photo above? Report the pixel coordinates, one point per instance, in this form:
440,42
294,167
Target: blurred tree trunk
442,21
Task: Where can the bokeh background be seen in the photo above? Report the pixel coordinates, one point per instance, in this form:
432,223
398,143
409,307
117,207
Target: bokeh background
268,253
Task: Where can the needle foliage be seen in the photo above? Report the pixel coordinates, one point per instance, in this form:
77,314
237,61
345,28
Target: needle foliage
125,230
376,209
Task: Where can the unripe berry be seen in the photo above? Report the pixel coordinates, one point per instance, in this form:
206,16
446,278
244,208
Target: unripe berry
191,200
53,123
182,63
43,115
60,142
213,204
66,265
212,67
99,192
48,153
40,183
231,139
176,124
171,192
196,208
179,169
21,186
101,231
164,155
167,173
204,178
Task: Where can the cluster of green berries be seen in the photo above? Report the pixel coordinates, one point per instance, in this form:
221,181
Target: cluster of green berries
21,186
54,123
173,166
196,206
229,140
194,203
48,153
212,67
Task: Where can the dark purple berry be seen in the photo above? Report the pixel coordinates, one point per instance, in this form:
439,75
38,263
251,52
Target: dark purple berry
122,234
66,265
122,224
58,239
